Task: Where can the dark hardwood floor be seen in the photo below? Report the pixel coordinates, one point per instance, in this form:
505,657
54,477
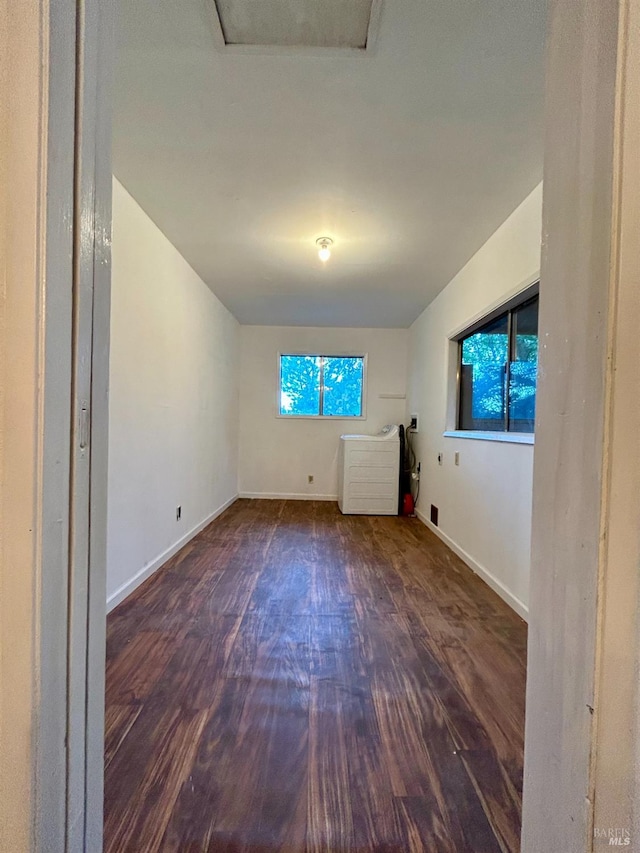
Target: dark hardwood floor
297,680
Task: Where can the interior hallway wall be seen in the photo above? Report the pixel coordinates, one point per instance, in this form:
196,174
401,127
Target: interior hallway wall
278,454
582,751
22,80
173,421
484,503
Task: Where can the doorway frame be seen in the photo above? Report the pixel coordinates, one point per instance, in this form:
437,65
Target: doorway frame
581,744
55,618
54,314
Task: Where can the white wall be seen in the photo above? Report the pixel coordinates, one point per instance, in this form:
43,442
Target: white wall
277,454
485,502
581,769
22,76
173,400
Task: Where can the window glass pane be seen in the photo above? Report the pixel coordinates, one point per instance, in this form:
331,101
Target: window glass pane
483,365
524,368
343,386
299,385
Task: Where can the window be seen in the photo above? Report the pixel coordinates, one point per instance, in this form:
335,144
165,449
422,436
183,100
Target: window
329,386
497,371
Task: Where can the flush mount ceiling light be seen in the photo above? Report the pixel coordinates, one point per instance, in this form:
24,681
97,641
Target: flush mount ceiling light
324,250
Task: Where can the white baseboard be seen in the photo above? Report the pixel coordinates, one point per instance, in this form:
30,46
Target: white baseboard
497,586
133,583
282,496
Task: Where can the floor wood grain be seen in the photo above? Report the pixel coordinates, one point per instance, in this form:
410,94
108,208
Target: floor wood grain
301,681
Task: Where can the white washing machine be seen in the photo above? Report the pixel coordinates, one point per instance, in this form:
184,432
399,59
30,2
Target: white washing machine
369,473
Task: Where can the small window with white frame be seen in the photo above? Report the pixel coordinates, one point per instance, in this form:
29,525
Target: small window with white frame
321,386
497,369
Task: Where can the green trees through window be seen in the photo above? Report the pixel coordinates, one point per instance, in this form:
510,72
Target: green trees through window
498,371
321,385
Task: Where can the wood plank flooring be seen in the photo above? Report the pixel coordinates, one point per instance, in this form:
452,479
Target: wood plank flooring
301,681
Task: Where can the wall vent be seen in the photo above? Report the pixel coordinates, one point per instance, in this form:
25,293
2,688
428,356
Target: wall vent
297,23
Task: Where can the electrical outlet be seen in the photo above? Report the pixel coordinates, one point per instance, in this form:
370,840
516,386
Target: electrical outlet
310,478
178,513
456,458
414,422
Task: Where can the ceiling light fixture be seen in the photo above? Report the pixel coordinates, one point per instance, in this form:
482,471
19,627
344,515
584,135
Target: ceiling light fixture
324,252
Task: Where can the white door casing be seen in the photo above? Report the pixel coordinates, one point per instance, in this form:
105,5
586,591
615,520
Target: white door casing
55,316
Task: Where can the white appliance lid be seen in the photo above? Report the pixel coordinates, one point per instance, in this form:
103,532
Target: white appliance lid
389,432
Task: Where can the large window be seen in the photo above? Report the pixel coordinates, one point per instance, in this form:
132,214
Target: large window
330,386
497,370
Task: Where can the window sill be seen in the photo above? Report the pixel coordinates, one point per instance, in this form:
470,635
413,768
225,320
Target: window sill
508,437
322,417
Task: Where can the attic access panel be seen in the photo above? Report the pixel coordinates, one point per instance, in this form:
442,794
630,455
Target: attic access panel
296,23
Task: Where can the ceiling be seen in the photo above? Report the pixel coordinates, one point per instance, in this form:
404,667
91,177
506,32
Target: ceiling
408,155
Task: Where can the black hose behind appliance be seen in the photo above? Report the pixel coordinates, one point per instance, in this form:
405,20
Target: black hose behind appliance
402,480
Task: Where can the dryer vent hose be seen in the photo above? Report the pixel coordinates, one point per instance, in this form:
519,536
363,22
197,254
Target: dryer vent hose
410,463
